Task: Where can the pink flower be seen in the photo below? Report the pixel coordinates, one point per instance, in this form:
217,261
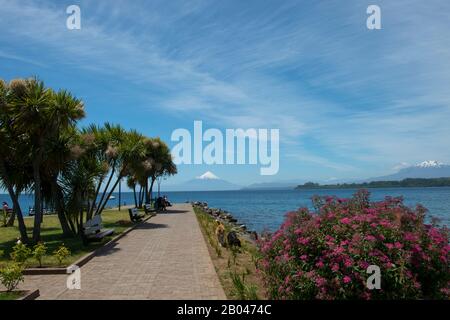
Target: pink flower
346,220
335,267
303,241
347,279
320,282
348,263
364,264
366,296
338,251
409,236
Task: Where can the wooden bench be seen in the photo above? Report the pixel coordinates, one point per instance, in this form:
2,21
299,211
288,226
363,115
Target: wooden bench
135,216
93,230
149,209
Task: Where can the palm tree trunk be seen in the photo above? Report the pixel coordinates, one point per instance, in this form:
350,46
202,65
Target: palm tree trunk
81,219
12,218
97,191
109,195
105,191
14,195
151,187
22,227
72,226
18,211
57,195
141,196
134,194
146,192
37,201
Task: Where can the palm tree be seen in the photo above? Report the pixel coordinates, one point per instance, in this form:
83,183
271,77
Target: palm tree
77,182
14,164
31,103
130,150
63,114
164,165
156,162
131,183
40,115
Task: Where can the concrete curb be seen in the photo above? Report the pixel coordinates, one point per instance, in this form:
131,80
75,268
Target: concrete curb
31,295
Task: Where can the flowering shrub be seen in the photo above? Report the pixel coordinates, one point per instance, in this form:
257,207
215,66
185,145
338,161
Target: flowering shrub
325,254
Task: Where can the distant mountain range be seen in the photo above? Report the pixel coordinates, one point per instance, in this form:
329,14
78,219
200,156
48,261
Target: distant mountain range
425,170
210,182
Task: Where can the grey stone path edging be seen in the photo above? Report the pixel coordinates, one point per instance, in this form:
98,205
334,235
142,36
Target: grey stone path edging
30,295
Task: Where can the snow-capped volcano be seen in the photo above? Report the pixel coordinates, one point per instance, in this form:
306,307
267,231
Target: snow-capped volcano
430,164
426,169
206,182
208,175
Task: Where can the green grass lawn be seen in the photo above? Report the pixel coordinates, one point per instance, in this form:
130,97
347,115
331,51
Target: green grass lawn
10,295
51,234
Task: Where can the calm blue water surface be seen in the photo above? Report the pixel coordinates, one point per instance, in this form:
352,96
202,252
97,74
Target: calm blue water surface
261,210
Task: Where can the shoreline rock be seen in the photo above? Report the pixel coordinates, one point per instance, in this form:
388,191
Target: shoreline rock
227,218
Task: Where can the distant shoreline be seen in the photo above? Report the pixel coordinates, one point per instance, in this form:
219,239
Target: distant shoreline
299,187
406,183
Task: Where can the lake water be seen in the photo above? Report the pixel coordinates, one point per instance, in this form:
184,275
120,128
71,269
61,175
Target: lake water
261,210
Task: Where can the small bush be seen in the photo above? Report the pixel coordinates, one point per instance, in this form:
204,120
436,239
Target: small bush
40,250
11,276
325,254
61,254
20,253
242,290
239,285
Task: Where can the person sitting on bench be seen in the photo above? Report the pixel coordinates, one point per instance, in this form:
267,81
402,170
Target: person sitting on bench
160,204
167,202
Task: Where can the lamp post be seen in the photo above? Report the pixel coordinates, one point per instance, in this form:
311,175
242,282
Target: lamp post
159,180
120,192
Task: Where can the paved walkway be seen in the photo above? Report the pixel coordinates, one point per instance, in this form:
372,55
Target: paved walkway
163,258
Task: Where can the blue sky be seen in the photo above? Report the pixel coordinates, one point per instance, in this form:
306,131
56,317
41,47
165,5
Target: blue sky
349,102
